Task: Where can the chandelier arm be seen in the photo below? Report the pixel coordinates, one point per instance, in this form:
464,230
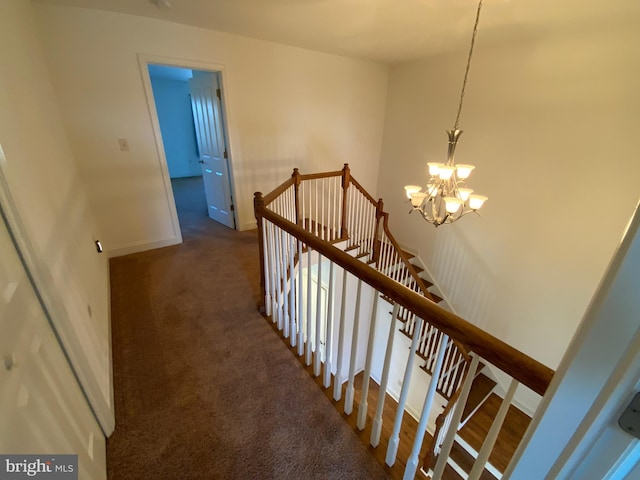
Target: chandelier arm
466,73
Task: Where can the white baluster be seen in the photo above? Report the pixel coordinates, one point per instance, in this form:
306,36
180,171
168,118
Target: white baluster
450,352
364,404
300,303
309,342
352,214
329,339
337,382
376,428
267,270
340,202
361,215
412,463
348,400
392,449
276,289
292,204
317,359
449,437
490,439
334,203
285,282
301,192
277,239
370,226
323,234
292,291
273,270
315,183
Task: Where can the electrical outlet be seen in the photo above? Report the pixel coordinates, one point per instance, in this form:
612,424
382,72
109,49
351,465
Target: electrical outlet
124,144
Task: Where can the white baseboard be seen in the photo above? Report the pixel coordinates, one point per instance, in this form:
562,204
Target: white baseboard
248,226
137,247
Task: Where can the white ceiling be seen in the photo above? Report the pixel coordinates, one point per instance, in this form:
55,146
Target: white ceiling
388,31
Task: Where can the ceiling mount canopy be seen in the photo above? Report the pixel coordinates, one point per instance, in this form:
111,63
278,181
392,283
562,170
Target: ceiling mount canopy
446,197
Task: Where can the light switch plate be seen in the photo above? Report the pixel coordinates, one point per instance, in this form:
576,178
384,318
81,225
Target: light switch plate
629,421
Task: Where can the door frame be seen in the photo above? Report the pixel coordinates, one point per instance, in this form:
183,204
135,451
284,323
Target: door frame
143,62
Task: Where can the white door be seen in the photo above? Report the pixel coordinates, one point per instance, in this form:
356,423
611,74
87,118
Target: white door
207,117
42,409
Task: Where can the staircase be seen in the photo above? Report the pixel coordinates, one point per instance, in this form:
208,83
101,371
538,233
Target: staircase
329,265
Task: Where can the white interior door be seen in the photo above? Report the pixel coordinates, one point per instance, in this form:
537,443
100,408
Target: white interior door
207,117
42,409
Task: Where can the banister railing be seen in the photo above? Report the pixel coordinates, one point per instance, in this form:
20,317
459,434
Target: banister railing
516,364
298,223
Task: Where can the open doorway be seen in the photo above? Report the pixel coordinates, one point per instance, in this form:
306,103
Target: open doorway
189,109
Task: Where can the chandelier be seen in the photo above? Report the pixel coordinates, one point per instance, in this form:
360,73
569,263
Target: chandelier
446,197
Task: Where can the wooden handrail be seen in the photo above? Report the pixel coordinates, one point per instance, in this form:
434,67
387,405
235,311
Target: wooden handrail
418,278
518,365
363,191
405,260
271,196
314,176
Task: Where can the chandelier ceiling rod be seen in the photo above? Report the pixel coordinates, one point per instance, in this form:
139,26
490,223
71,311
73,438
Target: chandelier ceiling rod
466,72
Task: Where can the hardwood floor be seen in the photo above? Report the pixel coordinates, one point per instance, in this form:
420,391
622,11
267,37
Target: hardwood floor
510,435
473,432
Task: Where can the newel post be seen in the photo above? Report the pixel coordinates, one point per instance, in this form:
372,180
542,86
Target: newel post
258,206
376,238
346,179
296,186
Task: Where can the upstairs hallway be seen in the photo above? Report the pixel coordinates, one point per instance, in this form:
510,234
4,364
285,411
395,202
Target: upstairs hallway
203,389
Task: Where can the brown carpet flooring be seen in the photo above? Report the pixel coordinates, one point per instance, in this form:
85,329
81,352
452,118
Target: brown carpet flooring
204,388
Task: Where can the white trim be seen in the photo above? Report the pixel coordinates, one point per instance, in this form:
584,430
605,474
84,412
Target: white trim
142,246
472,451
249,226
625,463
143,61
457,468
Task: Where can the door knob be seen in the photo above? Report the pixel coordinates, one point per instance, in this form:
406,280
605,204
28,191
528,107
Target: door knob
200,161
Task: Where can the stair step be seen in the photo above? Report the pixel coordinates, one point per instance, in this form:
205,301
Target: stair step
515,424
465,461
435,297
481,388
408,255
450,473
417,268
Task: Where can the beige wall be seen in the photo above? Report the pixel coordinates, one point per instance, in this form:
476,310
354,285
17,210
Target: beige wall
42,178
286,106
550,123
